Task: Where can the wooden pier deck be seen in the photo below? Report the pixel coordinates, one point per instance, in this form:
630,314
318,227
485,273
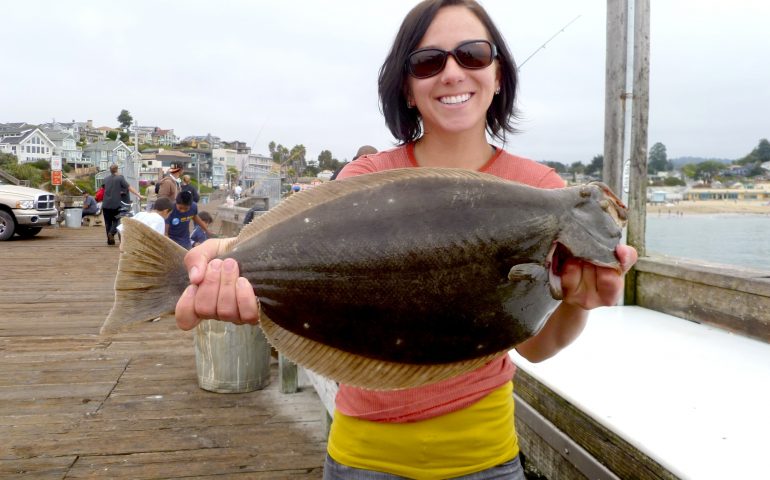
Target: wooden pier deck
74,404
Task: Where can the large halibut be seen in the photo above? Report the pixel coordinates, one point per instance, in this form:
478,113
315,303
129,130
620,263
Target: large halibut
398,278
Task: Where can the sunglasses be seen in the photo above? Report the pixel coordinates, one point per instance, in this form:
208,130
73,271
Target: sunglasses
472,55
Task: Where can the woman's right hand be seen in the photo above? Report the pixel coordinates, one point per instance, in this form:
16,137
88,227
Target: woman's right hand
216,290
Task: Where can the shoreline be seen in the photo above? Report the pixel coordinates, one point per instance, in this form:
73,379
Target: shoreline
702,207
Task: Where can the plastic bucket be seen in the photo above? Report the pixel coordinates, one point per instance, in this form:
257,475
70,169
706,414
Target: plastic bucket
231,358
73,217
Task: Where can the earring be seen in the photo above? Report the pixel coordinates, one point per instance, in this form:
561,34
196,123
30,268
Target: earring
497,91
409,103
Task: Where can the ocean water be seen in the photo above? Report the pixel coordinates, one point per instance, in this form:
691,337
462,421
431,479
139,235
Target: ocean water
732,239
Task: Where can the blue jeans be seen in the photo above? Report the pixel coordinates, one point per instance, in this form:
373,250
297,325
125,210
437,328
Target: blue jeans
511,470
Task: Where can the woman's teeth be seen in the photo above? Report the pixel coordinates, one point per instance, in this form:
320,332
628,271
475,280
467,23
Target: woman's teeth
454,99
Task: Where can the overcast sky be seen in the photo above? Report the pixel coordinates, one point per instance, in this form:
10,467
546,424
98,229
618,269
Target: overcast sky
306,71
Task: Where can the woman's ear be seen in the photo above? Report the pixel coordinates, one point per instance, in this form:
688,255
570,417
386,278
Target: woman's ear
409,100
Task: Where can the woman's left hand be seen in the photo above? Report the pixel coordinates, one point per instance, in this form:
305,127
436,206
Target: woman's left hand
588,286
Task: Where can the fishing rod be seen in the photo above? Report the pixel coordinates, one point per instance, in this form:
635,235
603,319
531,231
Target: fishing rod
542,47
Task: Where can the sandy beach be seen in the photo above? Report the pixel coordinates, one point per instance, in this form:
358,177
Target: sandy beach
710,207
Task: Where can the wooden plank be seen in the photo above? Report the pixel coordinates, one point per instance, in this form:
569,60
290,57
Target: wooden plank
271,462
43,468
735,299
76,404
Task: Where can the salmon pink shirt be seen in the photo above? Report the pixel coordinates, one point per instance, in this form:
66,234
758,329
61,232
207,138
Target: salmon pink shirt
462,391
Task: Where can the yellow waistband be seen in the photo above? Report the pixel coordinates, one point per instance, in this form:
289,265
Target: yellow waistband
459,443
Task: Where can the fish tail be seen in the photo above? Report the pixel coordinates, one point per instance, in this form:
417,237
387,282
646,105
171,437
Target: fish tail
151,277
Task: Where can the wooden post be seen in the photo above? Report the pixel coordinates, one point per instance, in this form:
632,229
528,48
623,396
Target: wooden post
287,375
615,94
637,195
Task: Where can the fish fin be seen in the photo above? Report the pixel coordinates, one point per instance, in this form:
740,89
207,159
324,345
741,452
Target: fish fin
526,271
359,371
151,276
306,199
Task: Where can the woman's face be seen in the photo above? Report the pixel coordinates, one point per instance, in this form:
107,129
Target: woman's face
456,99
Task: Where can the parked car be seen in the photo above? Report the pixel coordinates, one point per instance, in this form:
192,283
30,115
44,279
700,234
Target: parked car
25,211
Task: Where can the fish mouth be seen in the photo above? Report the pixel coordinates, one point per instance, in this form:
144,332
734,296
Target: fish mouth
554,263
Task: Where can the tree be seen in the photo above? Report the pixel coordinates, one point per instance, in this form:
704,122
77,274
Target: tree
657,161
673,182
596,166
709,169
558,166
577,168
689,170
327,162
279,153
293,161
297,159
125,119
762,151
113,135
233,176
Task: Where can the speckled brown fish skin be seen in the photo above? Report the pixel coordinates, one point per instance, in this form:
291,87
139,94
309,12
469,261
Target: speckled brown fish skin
418,271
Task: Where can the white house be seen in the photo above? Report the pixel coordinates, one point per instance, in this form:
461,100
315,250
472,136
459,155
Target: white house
27,142
254,166
66,147
223,158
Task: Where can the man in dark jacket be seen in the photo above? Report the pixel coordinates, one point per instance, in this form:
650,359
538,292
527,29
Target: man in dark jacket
115,188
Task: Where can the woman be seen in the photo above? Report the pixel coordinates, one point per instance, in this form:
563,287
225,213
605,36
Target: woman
448,78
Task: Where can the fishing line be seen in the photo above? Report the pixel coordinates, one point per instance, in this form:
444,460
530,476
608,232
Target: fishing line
542,47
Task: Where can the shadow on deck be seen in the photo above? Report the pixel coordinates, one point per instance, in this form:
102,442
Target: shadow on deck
74,404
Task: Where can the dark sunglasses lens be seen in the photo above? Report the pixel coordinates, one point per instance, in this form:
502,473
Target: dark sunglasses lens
474,55
426,63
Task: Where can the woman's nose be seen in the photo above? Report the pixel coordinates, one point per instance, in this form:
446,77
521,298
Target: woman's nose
452,72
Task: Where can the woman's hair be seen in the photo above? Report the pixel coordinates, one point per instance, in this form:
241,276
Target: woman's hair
404,122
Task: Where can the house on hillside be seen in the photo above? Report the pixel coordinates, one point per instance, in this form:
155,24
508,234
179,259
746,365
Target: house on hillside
223,158
164,137
88,133
66,147
254,166
207,141
104,153
27,142
201,164
72,128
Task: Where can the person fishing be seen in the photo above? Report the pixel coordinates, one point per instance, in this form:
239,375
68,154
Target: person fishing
449,78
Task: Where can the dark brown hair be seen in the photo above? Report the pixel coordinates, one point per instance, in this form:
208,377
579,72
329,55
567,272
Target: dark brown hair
404,122
163,203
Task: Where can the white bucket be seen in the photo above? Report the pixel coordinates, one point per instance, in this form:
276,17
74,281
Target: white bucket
73,217
231,358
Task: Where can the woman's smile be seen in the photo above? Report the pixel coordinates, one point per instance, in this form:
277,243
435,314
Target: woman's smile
455,99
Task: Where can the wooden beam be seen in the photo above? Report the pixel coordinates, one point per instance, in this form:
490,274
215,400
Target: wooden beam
615,94
637,191
637,196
